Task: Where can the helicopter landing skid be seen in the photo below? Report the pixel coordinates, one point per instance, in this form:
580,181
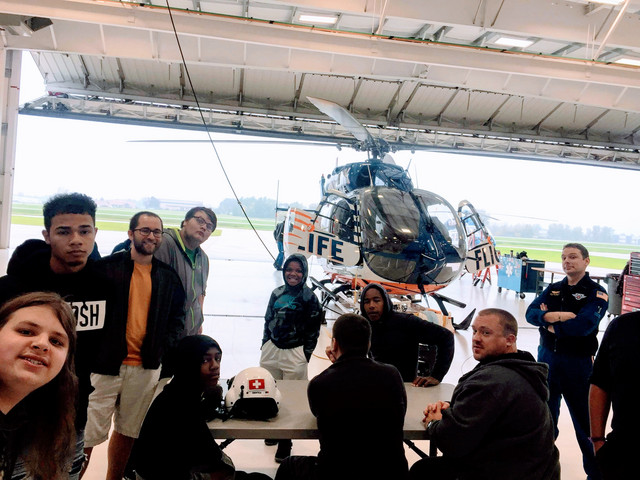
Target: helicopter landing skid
337,298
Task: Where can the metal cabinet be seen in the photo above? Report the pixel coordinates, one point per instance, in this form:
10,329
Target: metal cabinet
516,274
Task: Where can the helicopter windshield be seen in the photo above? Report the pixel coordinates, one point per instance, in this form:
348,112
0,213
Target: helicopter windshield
410,237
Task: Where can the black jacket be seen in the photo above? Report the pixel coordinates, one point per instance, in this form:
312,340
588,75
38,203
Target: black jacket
577,336
395,338
360,405
165,321
498,425
89,293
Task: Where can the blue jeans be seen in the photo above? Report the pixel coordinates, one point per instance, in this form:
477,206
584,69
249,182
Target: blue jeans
19,472
569,378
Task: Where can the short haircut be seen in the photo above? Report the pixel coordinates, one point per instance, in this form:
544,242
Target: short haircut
579,246
353,334
133,223
507,321
192,213
77,203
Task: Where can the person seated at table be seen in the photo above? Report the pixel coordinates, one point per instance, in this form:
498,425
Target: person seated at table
175,442
395,337
38,385
291,329
360,405
497,425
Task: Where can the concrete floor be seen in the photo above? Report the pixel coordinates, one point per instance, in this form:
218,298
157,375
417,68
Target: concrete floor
240,282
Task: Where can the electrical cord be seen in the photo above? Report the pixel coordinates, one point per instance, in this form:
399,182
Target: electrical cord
206,128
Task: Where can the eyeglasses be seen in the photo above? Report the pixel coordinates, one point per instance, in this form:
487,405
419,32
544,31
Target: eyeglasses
201,221
147,231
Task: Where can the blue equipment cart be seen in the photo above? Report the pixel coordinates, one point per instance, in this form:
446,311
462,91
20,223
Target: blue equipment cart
516,274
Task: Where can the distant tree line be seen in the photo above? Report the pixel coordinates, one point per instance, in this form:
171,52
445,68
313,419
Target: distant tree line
255,207
556,231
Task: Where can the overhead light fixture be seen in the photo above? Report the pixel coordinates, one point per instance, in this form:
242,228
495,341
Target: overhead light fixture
513,42
629,61
315,18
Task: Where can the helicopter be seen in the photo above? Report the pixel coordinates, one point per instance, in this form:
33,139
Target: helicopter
372,225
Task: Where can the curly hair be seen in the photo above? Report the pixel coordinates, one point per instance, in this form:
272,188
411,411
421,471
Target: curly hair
63,203
50,437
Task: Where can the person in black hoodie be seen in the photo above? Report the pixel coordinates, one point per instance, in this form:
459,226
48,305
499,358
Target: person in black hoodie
175,442
395,337
291,329
61,264
497,425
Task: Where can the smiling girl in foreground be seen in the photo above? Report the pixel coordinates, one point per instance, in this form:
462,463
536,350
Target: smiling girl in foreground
37,384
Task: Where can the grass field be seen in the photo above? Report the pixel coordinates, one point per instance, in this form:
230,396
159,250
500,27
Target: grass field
549,250
117,219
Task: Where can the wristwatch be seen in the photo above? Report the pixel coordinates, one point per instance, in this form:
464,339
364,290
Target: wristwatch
431,422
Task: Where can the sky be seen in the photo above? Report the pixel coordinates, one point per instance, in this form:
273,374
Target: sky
100,159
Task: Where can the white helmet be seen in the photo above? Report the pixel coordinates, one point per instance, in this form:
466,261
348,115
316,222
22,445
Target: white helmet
253,394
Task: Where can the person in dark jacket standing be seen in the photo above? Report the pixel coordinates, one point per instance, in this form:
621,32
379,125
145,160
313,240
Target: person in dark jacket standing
497,425
395,337
568,314
149,320
61,264
614,388
360,405
291,328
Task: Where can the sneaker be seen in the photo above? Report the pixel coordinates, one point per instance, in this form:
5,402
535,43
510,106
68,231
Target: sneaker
270,442
283,451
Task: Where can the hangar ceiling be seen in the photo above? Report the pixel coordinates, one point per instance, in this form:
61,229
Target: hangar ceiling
427,74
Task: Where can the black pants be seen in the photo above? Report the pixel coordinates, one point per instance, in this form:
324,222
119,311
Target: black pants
616,459
434,468
298,467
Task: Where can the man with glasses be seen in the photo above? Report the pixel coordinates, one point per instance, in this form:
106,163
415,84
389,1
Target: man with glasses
181,249
148,321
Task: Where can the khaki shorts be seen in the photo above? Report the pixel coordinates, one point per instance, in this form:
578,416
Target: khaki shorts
284,364
127,395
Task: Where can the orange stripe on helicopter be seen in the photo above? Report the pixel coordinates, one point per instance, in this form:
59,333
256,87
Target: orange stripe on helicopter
302,214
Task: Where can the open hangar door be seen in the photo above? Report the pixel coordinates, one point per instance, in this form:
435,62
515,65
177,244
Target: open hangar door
555,81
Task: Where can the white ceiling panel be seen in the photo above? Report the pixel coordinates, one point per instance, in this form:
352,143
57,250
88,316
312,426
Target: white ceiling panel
252,57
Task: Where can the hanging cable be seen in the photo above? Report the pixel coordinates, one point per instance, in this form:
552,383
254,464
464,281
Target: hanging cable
206,128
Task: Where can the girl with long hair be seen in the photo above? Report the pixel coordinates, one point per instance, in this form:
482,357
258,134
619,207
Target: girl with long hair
37,385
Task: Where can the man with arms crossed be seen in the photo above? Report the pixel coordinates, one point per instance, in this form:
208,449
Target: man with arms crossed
181,249
360,405
60,264
148,321
497,425
568,313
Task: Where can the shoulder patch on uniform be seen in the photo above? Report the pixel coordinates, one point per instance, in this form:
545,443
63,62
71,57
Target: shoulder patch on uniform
602,295
554,293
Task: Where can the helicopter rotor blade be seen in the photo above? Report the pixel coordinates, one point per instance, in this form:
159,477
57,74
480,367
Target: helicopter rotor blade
344,118
260,142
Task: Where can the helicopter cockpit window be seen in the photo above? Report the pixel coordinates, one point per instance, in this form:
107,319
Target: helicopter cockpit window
337,218
390,225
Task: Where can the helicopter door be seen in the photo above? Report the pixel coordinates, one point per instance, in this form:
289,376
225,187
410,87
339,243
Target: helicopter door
325,234
481,247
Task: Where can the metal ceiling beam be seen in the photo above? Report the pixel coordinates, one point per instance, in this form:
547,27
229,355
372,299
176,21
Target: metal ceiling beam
545,18
431,137
349,55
